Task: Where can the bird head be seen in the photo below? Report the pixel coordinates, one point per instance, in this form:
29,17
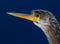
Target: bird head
43,17
38,17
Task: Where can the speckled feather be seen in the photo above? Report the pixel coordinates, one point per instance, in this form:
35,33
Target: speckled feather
52,29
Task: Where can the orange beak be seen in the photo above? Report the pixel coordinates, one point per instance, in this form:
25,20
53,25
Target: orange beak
24,16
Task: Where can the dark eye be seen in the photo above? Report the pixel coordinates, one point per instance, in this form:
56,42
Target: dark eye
37,15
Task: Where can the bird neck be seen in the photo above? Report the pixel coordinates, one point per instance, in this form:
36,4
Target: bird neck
50,34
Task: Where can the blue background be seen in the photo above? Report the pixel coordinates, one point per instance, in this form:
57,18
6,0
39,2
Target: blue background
19,31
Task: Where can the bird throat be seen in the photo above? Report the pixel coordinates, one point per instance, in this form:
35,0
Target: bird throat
50,34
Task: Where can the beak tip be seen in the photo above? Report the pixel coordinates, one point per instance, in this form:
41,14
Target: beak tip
9,13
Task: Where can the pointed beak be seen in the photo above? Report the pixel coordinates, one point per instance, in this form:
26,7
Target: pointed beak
25,16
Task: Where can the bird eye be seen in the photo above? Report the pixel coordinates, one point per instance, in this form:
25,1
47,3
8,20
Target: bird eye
37,15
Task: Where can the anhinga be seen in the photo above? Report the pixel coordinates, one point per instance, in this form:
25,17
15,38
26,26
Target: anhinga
44,20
